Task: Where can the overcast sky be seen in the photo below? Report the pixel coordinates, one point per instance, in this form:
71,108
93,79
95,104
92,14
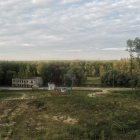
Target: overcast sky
67,29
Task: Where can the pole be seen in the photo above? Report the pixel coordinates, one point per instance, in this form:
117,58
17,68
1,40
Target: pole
113,76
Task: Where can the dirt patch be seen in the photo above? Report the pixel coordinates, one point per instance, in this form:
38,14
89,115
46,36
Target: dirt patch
10,115
62,118
70,120
23,97
101,92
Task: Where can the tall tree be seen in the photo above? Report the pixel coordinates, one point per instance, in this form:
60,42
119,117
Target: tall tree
136,44
137,51
131,50
133,47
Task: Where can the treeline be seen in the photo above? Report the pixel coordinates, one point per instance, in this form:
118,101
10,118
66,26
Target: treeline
122,74
112,73
61,73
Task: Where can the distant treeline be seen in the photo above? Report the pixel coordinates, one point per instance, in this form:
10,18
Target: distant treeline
75,73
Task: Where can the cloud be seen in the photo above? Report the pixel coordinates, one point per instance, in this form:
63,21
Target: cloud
69,1
2,43
113,49
52,38
67,27
41,1
70,50
26,45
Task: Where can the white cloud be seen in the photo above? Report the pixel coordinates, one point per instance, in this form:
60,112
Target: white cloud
74,26
51,38
114,49
69,1
40,1
27,45
2,43
70,50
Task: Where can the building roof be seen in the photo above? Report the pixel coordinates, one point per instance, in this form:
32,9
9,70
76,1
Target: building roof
26,78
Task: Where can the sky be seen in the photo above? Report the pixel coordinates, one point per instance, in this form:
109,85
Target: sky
67,29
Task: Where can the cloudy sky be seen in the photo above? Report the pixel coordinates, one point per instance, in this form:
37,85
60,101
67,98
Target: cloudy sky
67,29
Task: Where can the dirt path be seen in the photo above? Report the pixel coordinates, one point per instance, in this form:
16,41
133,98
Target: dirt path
99,92
74,88
62,118
98,88
23,97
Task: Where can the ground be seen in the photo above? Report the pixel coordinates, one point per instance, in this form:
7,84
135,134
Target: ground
93,82
40,115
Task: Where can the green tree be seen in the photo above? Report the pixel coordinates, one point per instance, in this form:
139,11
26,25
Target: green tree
120,79
136,44
133,47
1,76
131,50
9,75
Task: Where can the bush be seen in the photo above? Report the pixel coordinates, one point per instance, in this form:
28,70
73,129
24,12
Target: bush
119,79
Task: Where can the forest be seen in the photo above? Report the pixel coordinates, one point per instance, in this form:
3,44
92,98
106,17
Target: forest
117,72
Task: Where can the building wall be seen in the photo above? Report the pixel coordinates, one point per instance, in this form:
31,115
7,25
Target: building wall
28,82
51,86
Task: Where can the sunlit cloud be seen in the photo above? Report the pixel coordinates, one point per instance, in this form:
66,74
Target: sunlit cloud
26,45
69,1
114,49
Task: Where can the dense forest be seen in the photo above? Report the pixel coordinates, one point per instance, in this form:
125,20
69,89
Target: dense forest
112,73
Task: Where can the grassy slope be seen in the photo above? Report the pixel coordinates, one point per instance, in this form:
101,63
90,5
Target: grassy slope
114,116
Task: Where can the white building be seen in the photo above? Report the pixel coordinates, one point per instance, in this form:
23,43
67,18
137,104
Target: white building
51,86
27,82
63,89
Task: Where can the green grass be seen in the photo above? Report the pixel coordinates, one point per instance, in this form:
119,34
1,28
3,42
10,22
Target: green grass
93,81
4,95
111,117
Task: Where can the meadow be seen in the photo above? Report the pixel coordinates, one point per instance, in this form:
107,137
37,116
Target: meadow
42,115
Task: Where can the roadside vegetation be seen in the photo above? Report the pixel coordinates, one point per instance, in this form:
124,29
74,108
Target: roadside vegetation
40,115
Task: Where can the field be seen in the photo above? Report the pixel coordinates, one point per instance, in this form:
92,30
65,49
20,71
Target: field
93,82
39,115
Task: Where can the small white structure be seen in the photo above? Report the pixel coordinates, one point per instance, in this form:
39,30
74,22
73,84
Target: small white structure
27,82
51,86
63,89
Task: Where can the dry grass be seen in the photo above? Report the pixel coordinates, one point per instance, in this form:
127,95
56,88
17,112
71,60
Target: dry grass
35,115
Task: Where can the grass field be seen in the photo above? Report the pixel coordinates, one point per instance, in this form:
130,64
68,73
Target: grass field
93,82
39,115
